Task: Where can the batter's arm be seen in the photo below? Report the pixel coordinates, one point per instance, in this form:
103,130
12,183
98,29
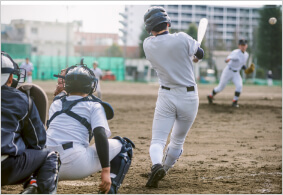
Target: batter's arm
198,55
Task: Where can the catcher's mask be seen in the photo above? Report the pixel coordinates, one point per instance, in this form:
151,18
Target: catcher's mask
8,67
79,78
154,16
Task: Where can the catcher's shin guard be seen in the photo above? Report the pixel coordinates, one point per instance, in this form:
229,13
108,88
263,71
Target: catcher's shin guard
47,177
120,164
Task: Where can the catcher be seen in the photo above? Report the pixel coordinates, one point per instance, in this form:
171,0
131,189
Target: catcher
236,61
75,116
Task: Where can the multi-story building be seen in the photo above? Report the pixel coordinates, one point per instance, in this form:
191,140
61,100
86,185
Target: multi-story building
45,38
94,44
226,23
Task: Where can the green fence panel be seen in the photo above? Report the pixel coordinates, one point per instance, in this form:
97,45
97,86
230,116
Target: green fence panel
17,50
46,66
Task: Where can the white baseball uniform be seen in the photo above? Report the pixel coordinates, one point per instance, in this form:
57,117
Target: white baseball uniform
176,107
232,71
29,68
81,160
98,73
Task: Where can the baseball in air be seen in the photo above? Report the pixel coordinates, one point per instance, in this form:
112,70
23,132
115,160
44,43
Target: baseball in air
272,21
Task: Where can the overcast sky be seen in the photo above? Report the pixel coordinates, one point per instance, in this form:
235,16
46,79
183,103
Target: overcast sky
97,16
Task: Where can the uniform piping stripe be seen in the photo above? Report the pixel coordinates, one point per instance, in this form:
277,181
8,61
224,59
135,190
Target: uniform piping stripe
35,134
15,134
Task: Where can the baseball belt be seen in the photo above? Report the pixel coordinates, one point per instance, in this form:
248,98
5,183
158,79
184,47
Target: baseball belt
191,88
233,70
67,145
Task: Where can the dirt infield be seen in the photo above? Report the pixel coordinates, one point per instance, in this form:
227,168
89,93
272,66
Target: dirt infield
228,150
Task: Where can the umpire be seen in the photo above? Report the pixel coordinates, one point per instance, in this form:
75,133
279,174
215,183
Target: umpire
23,138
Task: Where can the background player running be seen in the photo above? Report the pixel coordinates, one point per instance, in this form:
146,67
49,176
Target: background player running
236,61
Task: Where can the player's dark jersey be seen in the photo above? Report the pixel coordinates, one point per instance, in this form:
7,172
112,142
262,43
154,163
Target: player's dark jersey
19,128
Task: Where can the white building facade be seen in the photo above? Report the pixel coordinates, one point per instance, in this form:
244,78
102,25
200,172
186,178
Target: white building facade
226,23
46,38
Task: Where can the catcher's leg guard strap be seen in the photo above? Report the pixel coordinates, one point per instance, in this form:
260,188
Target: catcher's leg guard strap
47,177
121,163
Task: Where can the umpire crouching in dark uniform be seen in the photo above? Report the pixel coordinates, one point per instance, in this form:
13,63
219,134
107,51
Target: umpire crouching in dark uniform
23,137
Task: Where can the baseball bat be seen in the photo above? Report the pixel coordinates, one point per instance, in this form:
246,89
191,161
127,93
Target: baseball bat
202,29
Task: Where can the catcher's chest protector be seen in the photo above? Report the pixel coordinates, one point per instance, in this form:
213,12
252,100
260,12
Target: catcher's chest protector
68,105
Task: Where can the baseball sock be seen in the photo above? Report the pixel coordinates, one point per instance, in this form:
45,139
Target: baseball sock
213,93
171,157
156,153
236,97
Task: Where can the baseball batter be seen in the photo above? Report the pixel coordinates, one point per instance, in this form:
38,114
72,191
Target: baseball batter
236,61
177,103
74,119
98,74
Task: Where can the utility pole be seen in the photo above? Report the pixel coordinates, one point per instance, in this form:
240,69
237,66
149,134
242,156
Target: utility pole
67,39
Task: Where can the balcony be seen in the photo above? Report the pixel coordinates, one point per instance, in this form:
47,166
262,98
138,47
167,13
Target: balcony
123,15
123,23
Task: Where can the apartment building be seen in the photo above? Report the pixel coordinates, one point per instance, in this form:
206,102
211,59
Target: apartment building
226,23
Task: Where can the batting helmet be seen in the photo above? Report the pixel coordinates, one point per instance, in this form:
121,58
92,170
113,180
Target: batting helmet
154,16
9,66
80,79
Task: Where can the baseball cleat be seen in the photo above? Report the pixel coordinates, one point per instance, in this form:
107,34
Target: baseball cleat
30,189
210,99
235,104
157,173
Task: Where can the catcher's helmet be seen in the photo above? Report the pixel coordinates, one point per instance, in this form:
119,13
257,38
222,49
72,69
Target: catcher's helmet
154,16
80,79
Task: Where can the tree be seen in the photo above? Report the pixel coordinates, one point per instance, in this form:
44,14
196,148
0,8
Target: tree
269,40
144,34
192,31
114,51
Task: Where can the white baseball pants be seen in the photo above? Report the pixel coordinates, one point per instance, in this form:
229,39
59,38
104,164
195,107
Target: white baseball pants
228,75
80,162
175,108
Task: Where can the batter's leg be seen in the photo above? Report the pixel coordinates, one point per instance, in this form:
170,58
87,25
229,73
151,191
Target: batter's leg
163,121
185,118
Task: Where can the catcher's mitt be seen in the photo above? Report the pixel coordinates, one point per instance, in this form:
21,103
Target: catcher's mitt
61,83
250,69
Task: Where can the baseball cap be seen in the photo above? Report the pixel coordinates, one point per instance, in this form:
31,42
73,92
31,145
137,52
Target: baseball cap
243,42
7,67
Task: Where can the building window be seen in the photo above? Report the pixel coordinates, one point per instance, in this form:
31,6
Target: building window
231,10
231,18
34,49
218,9
186,15
186,7
201,7
173,6
218,17
34,30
